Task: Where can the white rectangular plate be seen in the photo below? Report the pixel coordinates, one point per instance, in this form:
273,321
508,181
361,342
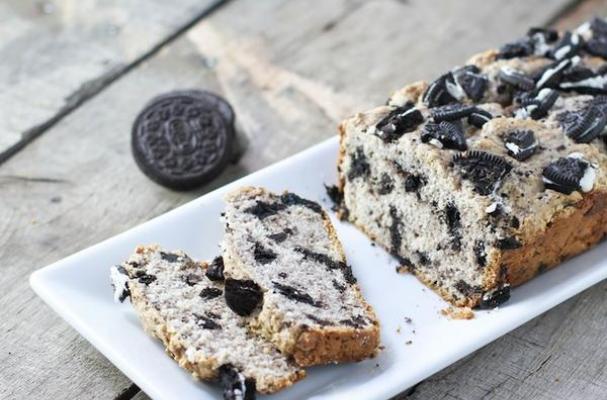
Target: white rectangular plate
78,289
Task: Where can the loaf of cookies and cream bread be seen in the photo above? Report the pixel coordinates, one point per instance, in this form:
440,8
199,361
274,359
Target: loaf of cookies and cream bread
310,307
183,303
490,174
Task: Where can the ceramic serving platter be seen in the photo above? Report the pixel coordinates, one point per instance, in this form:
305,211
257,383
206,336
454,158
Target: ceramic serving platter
417,340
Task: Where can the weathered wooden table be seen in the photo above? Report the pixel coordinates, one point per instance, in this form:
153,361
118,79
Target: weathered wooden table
75,73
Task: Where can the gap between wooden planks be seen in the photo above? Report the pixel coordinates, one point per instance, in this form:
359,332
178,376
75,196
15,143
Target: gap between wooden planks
59,54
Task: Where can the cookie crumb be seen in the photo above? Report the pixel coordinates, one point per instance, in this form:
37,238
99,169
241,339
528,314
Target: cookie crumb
457,312
402,269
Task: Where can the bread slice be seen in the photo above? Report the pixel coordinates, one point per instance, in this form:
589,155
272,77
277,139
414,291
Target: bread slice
178,304
312,307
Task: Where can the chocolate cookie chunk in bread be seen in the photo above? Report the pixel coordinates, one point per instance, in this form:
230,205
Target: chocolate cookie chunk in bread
183,139
177,303
312,307
514,184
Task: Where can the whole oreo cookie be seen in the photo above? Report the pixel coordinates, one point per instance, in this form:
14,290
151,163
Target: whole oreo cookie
183,139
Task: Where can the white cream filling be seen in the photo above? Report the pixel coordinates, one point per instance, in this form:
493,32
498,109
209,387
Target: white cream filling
490,209
540,46
551,71
546,180
436,143
522,113
409,111
586,184
238,394
513,148
597,82
562,52
584,31
509,70
484,117
587,181
119,282
455,90
190,354
543,94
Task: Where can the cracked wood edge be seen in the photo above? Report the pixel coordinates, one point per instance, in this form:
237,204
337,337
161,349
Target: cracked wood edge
287,96
58,55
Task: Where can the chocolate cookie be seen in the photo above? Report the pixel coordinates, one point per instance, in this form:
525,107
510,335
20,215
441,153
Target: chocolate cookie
183,139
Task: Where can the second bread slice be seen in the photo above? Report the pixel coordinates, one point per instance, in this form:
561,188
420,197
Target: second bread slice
312,307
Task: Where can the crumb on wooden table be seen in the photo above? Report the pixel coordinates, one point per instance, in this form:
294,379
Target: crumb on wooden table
457,312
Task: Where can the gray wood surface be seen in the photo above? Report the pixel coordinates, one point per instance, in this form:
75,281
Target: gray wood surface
292,71
560,355
57,53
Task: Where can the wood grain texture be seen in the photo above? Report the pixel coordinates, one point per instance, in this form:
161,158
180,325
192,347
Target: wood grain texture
580,12
292,71
75,186
56,54
559,355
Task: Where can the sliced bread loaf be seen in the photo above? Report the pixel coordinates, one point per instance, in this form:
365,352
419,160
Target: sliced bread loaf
179,304
310,305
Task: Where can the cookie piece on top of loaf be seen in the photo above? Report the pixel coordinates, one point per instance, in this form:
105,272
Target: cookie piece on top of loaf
490,174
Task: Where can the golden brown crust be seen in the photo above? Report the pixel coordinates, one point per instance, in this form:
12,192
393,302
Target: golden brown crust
335,345
483,59
570,232
205,369
410,93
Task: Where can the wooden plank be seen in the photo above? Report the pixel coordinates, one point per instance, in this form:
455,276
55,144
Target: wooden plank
579,13
559,355
57,54
291,71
